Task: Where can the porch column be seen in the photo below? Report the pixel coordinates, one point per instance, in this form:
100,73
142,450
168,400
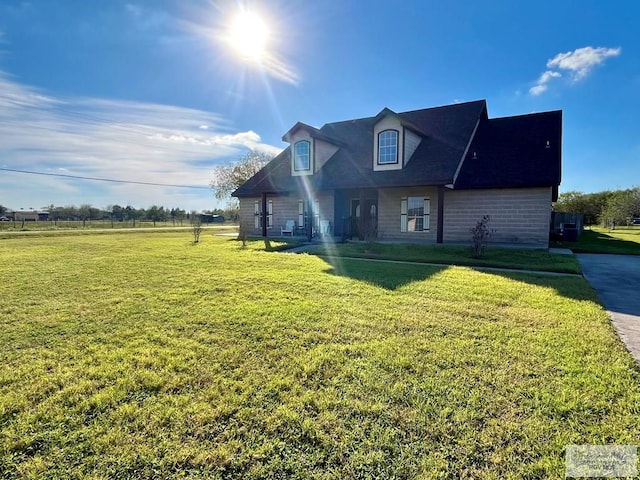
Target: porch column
264,214
361,221
439,232
308,217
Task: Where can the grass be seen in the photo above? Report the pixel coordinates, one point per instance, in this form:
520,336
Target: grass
144,356
53,232
622,241
89,224
522,259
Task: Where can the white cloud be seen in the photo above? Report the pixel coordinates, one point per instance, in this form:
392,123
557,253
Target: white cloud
541,84
579,63
110,139
582,60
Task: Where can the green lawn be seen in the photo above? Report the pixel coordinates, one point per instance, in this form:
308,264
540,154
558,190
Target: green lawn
623,241
144,356
522,259
93,224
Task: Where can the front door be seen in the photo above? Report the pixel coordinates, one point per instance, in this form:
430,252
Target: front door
364,221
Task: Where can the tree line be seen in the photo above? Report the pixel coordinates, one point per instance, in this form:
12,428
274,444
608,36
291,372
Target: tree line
117,213
609,207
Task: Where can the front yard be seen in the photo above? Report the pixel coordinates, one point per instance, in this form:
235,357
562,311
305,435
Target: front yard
500,257
622,241
143,356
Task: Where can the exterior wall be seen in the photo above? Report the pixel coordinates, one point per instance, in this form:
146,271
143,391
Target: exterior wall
323,151
247,215
284,208
388,123
411,142
299,136
320,152
389,214
517,215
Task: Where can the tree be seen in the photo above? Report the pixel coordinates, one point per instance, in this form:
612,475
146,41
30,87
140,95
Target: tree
132,214
180,214
156,214
196,226
3,209
84,212
590,205
621,207
228,177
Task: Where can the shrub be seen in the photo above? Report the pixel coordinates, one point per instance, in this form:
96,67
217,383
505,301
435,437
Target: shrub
480,234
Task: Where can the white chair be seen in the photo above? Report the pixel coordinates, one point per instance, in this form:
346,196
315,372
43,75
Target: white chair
288,228
325,227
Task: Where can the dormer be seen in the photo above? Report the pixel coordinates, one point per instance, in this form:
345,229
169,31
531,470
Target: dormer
394,141
310,149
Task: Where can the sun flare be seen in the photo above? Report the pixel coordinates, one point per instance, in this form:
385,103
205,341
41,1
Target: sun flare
248,35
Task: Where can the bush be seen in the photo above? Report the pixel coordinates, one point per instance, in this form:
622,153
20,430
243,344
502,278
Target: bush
480,234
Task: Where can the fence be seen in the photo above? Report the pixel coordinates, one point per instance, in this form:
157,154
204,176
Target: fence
562,220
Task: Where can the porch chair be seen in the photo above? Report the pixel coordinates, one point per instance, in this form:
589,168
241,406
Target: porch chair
288,228
325,227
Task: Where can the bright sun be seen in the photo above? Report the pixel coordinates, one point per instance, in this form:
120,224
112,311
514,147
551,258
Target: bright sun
248,36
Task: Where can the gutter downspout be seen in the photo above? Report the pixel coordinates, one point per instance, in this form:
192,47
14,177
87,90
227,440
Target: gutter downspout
440,226
264,214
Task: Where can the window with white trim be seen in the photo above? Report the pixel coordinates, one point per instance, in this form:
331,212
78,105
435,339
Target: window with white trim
302,156
257,214
300,213
414,214
316,214
387,147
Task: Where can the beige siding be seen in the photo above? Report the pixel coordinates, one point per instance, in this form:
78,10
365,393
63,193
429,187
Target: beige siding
389,214
411,142
326,200
387,123
517,215
302,135
323,152
284,208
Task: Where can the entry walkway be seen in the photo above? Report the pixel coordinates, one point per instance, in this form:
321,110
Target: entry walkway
616,279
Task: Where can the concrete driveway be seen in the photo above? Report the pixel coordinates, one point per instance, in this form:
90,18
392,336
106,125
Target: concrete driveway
616,279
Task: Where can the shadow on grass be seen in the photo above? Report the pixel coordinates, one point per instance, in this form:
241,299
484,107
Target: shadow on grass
386,275
392,276
592,241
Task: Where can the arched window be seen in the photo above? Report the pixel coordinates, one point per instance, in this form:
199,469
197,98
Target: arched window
302,156
387,147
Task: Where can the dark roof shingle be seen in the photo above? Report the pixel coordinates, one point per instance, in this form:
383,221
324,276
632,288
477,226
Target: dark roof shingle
509,150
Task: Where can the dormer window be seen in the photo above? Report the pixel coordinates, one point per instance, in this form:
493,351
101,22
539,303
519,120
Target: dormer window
302,156
387,147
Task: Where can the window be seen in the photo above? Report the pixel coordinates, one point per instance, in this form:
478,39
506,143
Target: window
388,147
302,156
300,213
257,214
414,214
316,214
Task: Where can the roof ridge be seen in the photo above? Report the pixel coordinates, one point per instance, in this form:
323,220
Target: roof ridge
449,105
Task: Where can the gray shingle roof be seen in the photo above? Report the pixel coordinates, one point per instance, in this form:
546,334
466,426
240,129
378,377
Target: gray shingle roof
507,147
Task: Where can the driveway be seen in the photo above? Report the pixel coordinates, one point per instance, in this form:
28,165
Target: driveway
616,279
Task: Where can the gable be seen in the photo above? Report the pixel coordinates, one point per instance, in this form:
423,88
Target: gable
435,146
520,151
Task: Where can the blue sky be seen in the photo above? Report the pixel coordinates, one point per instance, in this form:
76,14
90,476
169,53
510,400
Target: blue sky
156,91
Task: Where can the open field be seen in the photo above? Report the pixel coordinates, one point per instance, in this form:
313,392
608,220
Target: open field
144,356
59,232
522,259
50,225
622,241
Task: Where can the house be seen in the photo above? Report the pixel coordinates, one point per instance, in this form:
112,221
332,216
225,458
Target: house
420,176
27,216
